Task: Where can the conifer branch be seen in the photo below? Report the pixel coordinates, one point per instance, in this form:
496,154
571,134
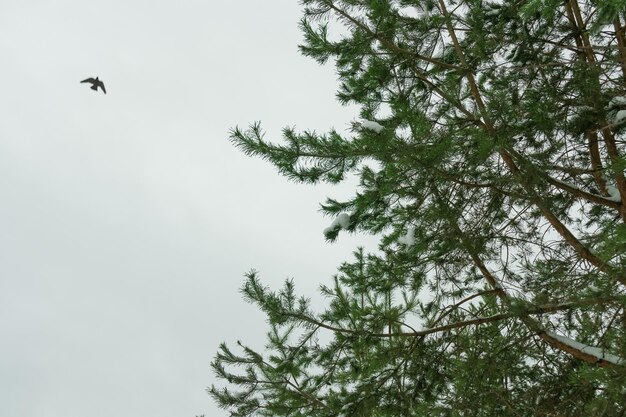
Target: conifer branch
480,151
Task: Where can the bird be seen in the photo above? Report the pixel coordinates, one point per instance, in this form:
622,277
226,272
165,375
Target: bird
95,83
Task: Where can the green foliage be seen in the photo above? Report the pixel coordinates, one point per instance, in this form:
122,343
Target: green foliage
495,186
607,12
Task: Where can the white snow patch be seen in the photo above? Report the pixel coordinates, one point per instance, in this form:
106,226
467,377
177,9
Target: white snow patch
370,125
590,350
493,12
341,222
617,101
613,194
585,109
409,238
620,116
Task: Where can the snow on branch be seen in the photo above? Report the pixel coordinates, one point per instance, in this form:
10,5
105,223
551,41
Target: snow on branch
589,350
341,222
370,125
616,113
409,238
619,117
613,194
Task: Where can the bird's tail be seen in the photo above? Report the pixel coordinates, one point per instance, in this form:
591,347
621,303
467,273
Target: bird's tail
94,87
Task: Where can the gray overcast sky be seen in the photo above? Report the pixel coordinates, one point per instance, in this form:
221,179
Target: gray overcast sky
127,220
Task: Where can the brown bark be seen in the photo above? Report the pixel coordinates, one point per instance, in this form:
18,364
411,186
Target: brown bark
596,161
621,44
582,38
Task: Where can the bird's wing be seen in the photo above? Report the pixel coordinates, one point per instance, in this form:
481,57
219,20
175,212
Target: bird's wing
101,84
89,80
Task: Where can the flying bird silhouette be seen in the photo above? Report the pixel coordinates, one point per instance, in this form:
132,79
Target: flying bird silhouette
95,83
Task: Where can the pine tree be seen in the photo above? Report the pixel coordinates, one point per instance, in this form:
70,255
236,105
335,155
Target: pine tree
490,155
